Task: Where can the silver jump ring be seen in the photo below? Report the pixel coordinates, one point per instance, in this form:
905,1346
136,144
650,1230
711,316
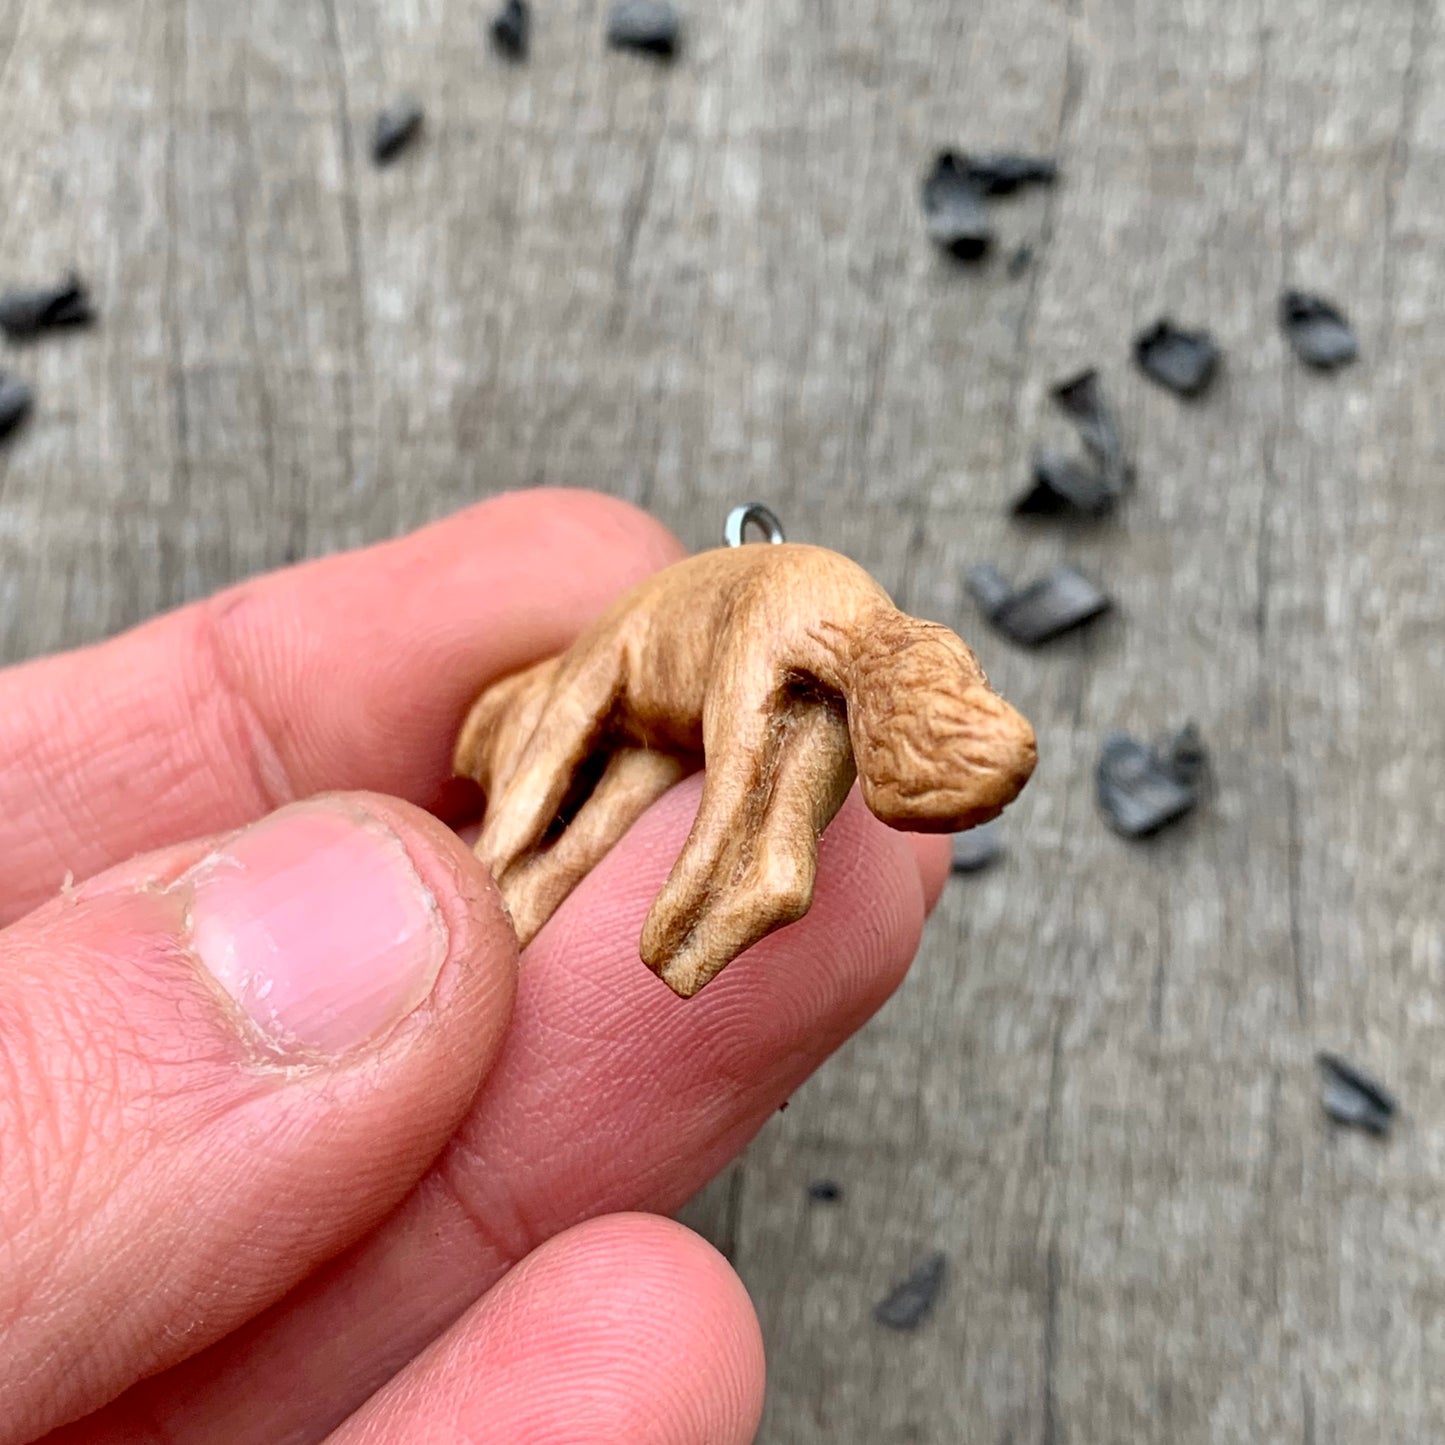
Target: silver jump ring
759,516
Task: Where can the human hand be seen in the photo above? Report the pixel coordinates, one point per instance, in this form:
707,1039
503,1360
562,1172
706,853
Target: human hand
287,1143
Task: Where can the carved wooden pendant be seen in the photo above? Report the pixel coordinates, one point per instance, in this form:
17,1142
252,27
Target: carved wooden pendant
787,670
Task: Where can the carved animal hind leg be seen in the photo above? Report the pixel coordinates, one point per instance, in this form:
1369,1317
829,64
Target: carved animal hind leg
749,863
499,724
538,884
570,720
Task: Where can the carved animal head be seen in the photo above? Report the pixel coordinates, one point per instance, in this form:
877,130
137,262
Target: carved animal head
937,749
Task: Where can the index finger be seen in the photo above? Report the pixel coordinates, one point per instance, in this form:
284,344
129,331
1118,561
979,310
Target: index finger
352,672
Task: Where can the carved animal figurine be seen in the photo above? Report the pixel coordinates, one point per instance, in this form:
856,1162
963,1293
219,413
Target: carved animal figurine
789,671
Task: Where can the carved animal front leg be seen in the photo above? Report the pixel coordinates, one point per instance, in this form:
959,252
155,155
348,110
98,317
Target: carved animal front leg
570,720
749,864
538,884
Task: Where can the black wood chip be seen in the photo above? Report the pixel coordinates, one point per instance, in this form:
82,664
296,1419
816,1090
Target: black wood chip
954,210
1352,1097
911,1300
650,26
1021,260
1061,484
1185,756
989,588
1317,330
1082,399
1056,603
974,850
26,311
1001,174
511,28
1184,361
395,129
825,1191
1140,788
15,401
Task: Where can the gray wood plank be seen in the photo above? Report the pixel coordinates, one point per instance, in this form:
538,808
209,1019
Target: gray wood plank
698,284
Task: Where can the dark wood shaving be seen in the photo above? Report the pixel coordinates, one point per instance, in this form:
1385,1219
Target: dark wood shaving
1082,400
27,311
1140,789
911,1300
1183,361
648,26
1350,1096
16,399
1002,173
396,128
1056,603
978,848
1062,484
1317,330
954,210
511,29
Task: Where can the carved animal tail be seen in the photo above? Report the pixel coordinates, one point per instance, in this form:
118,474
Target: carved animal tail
937,749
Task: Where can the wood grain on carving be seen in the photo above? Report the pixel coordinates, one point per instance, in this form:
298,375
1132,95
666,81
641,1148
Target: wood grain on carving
791,672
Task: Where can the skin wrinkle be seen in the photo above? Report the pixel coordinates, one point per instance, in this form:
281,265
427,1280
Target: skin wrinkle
48,773
60,1084
499,1227
169,773
262,741
58,1148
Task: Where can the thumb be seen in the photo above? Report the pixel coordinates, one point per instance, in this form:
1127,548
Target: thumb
219,1066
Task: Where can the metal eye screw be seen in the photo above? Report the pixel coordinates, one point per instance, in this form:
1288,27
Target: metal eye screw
760,516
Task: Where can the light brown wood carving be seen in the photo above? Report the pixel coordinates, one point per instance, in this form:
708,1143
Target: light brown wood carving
789,670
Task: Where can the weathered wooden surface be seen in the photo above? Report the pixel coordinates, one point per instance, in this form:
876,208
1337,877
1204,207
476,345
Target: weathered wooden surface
699,284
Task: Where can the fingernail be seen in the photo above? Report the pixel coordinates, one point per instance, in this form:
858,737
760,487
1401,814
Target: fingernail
317,924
